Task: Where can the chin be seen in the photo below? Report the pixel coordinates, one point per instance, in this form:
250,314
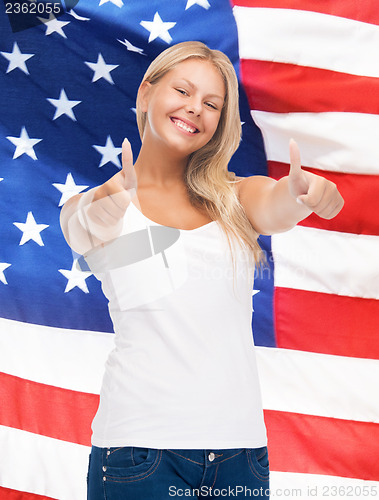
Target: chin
183,149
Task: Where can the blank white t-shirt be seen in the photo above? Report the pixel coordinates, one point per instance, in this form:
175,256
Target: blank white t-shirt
183,372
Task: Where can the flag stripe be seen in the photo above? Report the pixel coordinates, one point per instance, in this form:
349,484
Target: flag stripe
51,411
8,494
307,383
305,89
327,141
345,326
71,359
277,34
367,11
37,464
327,261
360,193
319,445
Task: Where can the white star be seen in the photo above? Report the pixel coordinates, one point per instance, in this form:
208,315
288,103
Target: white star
16,59
3,266
202,3
109,153
118,3
101,69
131,47
64,106
254,293
68,189
53,25
158,29
31,230
76,16
76,277
24,145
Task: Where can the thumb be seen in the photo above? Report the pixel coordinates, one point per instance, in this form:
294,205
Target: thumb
297,180
295,162
129,173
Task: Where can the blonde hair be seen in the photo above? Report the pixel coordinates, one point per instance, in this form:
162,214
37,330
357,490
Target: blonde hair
209,184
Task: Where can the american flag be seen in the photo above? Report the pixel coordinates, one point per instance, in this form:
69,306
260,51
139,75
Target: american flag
308,70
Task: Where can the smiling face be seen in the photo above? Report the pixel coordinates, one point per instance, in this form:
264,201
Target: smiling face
184,107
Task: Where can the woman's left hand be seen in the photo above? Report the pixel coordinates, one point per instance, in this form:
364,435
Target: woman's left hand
315,192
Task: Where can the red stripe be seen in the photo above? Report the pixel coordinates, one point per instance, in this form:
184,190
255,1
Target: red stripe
47,410
365,10
340,325
7,494
360,192
285,88
320,445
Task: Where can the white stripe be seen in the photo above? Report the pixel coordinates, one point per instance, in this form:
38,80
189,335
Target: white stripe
71,359
42,465
340,142
308,39
319,384
327,261
307,486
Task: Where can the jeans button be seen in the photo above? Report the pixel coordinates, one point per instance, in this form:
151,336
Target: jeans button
211,456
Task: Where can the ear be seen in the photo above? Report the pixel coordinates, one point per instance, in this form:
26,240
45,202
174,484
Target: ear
144,95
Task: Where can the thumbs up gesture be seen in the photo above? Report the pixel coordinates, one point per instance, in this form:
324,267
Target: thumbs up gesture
112,198
313,191
104,214
95,217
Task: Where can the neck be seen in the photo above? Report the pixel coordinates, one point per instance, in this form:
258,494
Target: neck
159,167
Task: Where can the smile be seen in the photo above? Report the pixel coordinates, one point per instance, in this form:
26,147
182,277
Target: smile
184,126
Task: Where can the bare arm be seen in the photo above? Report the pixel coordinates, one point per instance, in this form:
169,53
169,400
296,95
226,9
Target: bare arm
95,217
277,206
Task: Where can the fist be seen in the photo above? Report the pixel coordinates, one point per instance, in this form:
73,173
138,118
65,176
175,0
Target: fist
112,198
313,191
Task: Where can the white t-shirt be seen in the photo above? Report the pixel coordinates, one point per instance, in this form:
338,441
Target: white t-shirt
183,373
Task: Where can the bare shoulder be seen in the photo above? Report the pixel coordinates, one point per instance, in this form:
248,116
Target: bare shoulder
249,186
237,185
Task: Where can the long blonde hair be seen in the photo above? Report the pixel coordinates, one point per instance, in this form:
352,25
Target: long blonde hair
209,184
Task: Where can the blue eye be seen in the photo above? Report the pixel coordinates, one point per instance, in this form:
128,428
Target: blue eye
181,91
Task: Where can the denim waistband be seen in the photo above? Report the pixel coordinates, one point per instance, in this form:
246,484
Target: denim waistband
199,456
207,457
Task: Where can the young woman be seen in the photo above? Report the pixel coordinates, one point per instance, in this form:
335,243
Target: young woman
173,240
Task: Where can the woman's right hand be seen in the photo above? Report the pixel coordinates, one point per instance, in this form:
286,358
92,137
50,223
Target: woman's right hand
111,199
96,216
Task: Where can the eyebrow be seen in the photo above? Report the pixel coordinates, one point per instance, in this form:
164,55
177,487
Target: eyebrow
194,86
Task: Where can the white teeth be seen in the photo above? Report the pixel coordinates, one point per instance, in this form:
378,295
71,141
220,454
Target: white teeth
184,126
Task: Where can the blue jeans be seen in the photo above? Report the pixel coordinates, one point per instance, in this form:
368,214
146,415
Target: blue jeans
133,473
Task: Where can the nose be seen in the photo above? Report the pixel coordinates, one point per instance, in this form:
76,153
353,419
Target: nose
194,107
